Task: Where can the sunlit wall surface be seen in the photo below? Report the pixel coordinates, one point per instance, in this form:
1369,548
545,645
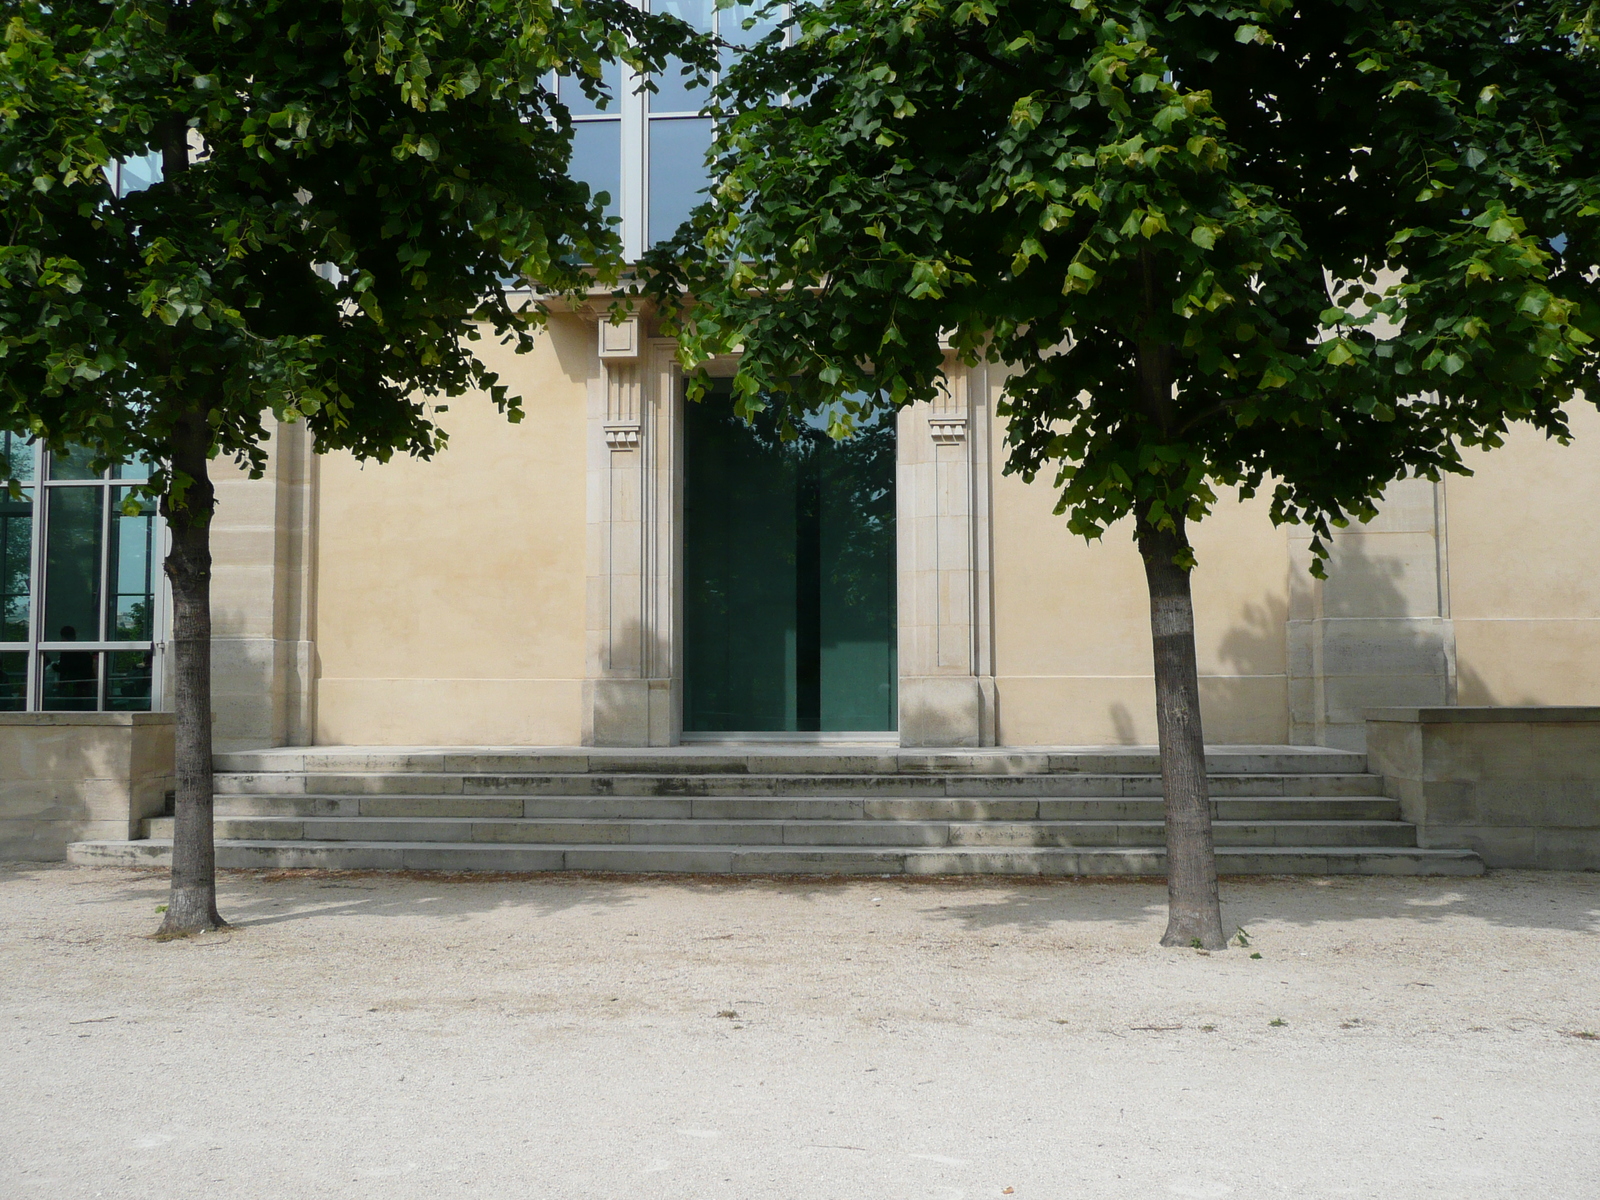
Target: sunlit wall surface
78,601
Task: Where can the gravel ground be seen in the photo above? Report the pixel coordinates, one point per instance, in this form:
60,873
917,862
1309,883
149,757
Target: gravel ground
363,1035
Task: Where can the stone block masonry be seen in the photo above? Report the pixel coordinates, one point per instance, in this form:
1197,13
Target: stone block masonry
1520,785
65,777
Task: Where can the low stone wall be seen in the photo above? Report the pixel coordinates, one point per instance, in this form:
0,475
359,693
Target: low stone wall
1521,786
67,777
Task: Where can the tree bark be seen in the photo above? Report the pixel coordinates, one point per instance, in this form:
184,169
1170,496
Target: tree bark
1194,913
192,905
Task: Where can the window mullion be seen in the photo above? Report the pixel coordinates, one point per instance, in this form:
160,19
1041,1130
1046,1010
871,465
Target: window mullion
634,164
36,581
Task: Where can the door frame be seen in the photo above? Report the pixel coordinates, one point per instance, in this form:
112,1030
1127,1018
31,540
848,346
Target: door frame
633,687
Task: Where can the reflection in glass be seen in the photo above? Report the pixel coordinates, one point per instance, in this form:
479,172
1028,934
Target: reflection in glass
13,680
571,94
71,681
129,595
597,160
74,464
135,469
96,576
136,174
72,565
128,681
730,28
731,24
16,556
16,458
676,92
677,171
673,90
789,593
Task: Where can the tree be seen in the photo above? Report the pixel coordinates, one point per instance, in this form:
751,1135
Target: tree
345,190
1307,247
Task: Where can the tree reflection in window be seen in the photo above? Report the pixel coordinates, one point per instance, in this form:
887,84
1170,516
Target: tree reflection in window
77,583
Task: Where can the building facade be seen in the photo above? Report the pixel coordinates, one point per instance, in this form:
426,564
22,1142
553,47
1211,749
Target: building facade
620,570
623,568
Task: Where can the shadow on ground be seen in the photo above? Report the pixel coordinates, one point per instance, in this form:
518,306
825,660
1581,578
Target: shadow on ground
1505,899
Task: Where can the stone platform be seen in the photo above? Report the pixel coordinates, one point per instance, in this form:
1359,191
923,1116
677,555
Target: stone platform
789,808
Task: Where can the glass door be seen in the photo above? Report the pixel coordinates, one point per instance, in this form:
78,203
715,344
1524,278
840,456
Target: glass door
789,575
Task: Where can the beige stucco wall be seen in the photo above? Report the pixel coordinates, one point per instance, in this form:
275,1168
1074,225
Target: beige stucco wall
444,602
450,594
1072,625
1524,558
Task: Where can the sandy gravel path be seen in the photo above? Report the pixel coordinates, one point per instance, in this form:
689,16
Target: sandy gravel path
384,1037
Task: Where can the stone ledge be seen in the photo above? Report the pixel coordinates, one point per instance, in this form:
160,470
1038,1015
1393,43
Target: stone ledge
85,719
1486,715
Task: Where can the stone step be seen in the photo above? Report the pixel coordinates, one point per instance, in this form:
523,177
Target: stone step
769,759
802,808
857,833
953,785
770,860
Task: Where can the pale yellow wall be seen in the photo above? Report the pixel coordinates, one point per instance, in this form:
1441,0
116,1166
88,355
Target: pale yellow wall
1525,569
1072,625
450,603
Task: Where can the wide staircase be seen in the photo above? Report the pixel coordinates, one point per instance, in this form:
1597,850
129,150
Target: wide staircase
772,810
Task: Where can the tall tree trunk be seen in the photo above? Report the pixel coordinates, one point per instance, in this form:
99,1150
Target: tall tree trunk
1193,910
192,906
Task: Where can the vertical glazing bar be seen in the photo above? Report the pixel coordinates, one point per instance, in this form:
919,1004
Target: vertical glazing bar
634,163
107,584
36,579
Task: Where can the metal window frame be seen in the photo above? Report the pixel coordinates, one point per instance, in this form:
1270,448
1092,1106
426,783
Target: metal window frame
36,646
634,114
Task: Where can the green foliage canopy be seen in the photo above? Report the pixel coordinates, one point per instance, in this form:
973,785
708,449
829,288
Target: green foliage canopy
1313,246
359,180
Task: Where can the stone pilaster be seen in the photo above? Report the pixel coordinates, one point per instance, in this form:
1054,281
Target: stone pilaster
632,694
263,598
947,695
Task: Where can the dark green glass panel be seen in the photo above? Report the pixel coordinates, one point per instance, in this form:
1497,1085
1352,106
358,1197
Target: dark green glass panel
16,539
71,681
13,681
72,565
739,573
128,681
859,664
16,565
130,597
74,464
789,597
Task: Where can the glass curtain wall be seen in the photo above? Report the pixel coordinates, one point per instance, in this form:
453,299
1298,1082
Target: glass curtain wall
78,562
789,575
